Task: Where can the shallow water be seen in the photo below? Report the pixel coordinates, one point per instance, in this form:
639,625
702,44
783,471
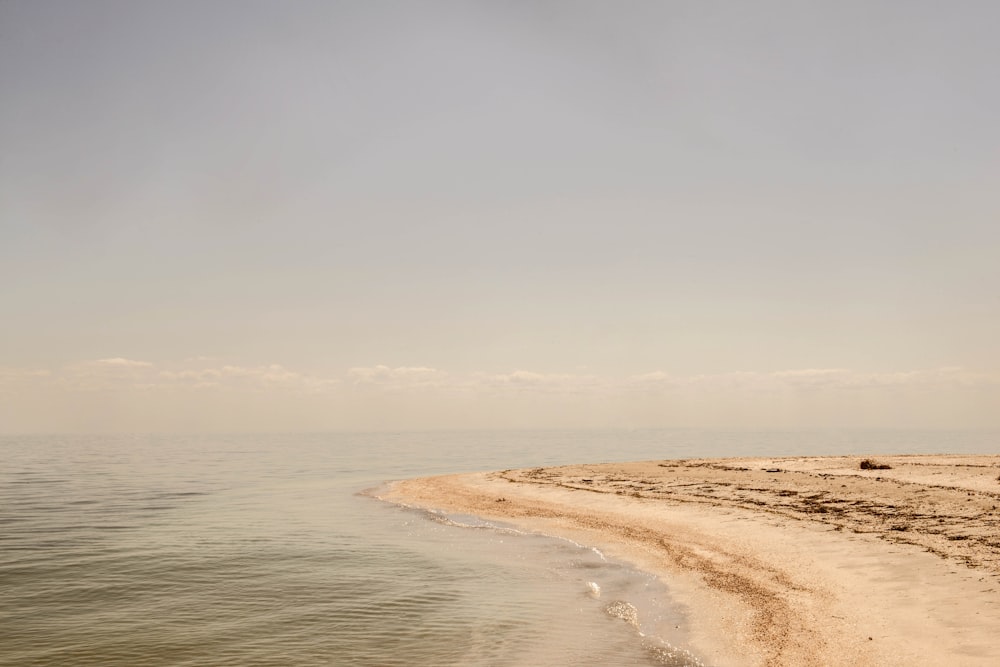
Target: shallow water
259,550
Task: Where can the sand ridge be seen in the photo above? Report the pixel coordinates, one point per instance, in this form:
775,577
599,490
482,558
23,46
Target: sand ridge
947,505
785,561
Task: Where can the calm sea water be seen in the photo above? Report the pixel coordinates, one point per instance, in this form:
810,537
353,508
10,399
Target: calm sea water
259,550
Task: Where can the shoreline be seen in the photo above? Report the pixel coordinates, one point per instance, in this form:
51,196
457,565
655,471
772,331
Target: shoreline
786,560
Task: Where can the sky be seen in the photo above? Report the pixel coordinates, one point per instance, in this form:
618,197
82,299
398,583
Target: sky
385,215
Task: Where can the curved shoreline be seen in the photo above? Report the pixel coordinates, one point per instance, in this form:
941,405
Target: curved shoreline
782,561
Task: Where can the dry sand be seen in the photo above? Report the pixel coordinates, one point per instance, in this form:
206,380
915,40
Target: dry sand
782,561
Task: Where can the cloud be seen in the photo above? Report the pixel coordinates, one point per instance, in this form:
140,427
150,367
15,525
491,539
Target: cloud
528,378
660,381
121,373
812,375
119,362
428,397
103,374
12,379
118,373
14,373
656,377
404,378
400,377
941,378
812,379
254,378
525,381
204,375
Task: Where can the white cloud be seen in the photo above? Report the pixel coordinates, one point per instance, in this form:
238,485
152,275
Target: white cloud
121,373
651,378
947,377
523,381
119,362
423,378
527,378
257,378
102,374
431,397
810,379
14,378
400,377
14,373
202,375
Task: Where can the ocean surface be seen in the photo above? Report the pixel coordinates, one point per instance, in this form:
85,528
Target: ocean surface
262,550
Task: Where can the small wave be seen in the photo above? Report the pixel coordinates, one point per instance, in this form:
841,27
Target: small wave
465,521
667,654
597,552
662,651
626,611
378,492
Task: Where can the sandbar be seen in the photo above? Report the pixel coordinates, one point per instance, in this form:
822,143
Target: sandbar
782,561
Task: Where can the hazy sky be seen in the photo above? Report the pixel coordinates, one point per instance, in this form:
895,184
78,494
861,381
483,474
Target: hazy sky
307,215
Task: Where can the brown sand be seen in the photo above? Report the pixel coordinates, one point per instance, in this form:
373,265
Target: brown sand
783,561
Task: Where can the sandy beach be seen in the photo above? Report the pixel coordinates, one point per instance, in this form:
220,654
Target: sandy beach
782,561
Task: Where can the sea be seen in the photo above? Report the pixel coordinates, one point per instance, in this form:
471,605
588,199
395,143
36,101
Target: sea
275,550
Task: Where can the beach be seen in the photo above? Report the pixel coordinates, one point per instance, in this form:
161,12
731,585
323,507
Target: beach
786,560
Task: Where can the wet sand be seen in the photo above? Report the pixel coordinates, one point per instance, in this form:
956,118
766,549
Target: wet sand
782,561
